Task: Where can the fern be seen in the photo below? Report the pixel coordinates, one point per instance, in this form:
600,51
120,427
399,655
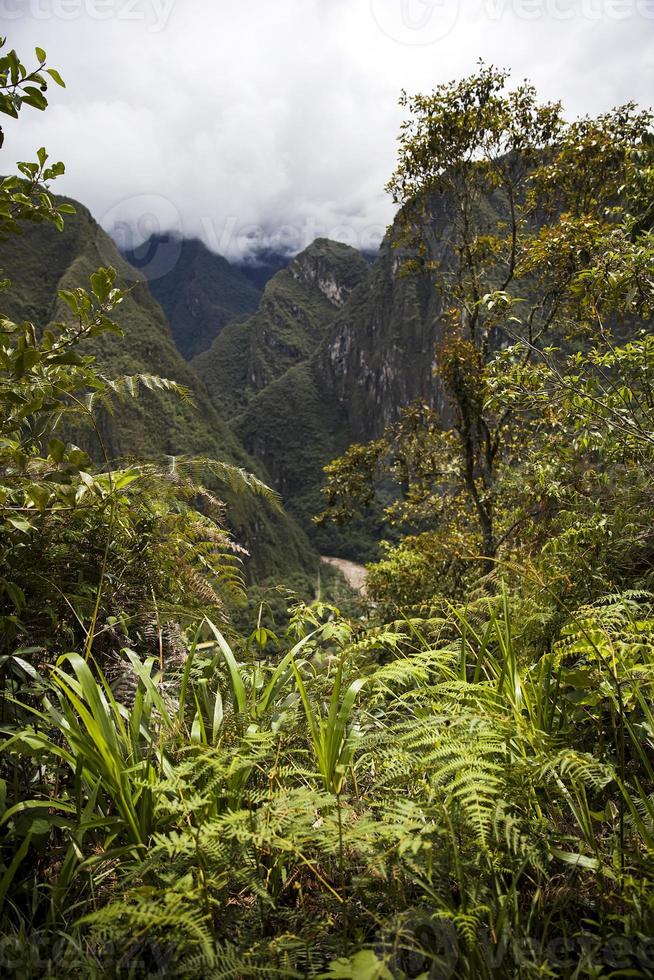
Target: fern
129,386
191,468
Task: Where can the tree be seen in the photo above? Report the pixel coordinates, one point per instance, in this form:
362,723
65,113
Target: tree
507,206
26,198
588,476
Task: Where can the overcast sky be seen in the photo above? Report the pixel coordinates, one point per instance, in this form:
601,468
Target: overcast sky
274,121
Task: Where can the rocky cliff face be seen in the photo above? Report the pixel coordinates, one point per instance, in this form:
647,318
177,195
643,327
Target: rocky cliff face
331,268
379,354
298,306
376,355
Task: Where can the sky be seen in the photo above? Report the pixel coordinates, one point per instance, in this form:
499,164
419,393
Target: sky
267,123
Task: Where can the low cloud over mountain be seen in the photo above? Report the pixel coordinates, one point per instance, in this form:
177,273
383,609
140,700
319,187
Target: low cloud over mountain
265,125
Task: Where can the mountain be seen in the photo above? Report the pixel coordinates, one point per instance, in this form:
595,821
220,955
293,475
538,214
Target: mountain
378,355
337,345
336,349
199,291
40,262
298,305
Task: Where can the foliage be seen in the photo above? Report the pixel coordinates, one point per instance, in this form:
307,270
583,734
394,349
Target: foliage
535,264
464,790
141,547
433,839
25,198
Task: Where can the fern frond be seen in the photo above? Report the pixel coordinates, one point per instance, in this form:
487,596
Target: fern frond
130,386
235,477
577,768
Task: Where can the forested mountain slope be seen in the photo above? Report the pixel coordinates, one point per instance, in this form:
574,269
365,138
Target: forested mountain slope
297,307
376,355
42,261
335,350
199,291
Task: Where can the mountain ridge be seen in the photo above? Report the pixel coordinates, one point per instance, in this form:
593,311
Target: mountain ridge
373,354
39,263
337,346
297,305
199,291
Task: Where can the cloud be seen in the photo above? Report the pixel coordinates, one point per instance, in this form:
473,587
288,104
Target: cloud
250,123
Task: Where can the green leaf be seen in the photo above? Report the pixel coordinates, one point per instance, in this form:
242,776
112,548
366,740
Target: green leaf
34,97
20,524
238,687
260,637
576,859
101,283
123,480
39,495
10,873
27,806
56,77
364,965
70,299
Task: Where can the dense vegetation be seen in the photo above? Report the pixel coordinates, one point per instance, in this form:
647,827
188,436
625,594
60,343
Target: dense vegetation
458,781
40,262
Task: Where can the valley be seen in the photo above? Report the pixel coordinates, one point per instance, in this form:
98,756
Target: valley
327,578
326,354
